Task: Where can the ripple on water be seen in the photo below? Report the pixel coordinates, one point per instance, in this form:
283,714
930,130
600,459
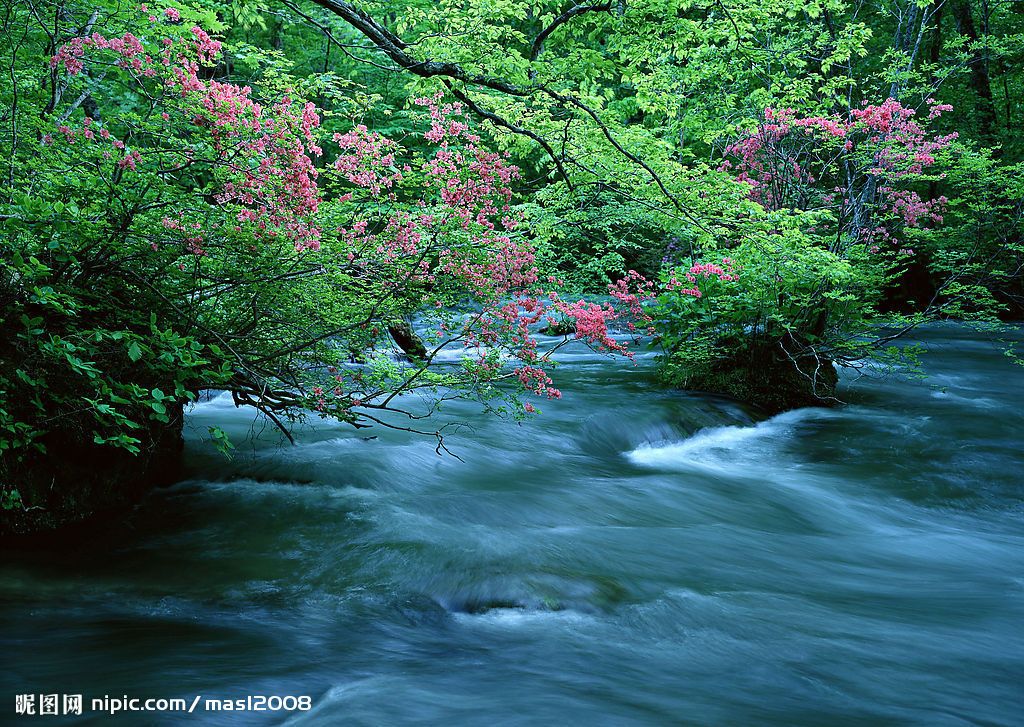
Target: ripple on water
633,556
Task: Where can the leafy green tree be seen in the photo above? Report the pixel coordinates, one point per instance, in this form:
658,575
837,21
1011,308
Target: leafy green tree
168,231
627,109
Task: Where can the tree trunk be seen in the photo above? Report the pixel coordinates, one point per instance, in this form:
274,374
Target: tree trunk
985,110
935,47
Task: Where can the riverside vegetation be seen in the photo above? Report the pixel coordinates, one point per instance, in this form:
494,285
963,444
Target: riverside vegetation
310,204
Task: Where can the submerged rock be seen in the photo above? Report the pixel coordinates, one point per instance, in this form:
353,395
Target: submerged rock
559,328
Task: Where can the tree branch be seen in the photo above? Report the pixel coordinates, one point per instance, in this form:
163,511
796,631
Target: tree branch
538,42
499,121
395,49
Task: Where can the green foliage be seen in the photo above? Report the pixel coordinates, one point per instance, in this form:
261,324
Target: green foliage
619,115
979,250
221,441
10,499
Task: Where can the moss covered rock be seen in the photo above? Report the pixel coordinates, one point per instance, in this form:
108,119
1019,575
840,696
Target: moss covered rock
767,377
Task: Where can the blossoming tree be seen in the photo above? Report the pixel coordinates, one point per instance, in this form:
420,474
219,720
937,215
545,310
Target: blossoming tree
831,204
212,235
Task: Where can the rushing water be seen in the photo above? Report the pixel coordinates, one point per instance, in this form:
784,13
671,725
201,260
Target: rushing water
633,556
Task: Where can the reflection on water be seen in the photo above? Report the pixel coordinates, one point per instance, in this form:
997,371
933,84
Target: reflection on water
633,556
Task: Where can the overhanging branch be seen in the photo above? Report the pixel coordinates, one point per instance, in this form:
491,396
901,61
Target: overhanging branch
538,42
395,48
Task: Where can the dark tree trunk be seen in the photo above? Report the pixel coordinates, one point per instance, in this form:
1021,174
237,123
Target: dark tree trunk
935,47
985,109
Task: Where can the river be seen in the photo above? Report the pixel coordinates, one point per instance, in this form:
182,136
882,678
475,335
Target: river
632,556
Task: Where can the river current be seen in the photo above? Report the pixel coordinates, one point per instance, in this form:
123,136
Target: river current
632,556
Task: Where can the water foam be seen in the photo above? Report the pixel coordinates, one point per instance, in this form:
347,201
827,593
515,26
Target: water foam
717,447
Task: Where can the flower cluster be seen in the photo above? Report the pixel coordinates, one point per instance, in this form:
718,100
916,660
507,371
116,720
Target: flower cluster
632,291
420,230
460,241
859,166
698,272
261,156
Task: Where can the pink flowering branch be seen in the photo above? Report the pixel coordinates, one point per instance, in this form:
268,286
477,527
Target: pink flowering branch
859,166
410,230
